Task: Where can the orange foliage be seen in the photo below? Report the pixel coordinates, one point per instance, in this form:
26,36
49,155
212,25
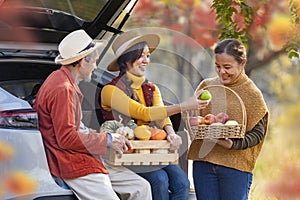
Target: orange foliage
177,27
278,30
6,151
147,7
19,183
288,186
188,3
296,3
197,19
238,16
204,29
1,191
188,16
14,17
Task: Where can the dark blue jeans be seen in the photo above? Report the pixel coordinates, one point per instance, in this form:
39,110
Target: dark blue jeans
169,182
214,182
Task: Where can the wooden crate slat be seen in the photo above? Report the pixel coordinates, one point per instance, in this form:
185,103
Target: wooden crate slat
143,159
150,144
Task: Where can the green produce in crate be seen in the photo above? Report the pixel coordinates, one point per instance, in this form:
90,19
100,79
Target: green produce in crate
115,126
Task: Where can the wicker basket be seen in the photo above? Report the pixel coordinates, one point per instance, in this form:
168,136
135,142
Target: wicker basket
218,131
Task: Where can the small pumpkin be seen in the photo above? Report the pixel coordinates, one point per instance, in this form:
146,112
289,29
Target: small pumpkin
114,126
130,151
126,131
157,134
142,132
110,126
131,124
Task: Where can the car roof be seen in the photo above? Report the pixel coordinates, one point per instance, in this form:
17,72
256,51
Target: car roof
48,21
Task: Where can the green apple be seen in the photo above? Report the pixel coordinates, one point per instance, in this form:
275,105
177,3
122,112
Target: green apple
205,95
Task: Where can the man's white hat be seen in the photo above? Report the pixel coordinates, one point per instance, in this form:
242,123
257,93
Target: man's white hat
77,45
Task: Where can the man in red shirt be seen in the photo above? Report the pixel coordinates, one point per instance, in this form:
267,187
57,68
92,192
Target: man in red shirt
72,155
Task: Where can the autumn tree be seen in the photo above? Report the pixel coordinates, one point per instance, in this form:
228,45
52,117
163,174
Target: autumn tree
261,25
191,18
270,30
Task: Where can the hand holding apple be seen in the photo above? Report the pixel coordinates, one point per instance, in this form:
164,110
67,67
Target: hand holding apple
205,95
194,103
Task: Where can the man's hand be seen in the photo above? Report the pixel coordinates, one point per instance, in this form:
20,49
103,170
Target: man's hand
120,144
128,144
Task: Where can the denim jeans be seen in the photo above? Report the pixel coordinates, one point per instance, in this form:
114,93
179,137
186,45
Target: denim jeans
214,182
168,182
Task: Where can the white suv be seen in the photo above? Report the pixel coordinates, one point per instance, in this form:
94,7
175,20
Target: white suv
30,31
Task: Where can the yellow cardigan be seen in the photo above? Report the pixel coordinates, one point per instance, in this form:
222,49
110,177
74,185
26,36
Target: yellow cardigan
114,98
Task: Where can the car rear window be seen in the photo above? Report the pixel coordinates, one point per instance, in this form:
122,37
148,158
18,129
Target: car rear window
20,88
87,9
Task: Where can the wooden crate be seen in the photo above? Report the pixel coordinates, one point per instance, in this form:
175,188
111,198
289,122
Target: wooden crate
147,152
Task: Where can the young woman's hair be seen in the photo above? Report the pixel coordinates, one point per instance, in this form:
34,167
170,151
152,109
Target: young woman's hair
232,47
130,55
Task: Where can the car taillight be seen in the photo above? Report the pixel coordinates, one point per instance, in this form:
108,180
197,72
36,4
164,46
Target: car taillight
20,119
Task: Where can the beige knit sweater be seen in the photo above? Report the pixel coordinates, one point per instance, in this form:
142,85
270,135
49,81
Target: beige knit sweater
225,101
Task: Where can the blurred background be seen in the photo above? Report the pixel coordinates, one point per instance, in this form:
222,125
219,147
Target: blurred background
189,30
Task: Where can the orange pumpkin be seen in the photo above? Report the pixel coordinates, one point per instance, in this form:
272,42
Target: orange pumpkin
157,134
129,151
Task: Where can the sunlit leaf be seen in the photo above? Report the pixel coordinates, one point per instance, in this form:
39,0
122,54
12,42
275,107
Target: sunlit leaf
293,54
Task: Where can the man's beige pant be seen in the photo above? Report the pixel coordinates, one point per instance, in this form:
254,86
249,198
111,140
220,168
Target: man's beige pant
97,186
128,184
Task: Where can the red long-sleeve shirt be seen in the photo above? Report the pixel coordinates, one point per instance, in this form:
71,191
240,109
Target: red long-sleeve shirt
70,153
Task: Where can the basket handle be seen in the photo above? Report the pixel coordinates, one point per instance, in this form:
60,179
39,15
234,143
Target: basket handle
188,125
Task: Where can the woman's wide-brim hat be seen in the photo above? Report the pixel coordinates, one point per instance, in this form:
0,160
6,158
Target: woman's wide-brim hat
128,39
75,46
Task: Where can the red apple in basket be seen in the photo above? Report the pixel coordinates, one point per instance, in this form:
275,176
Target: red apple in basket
196,120
210,119
201,120
222,117
193,121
